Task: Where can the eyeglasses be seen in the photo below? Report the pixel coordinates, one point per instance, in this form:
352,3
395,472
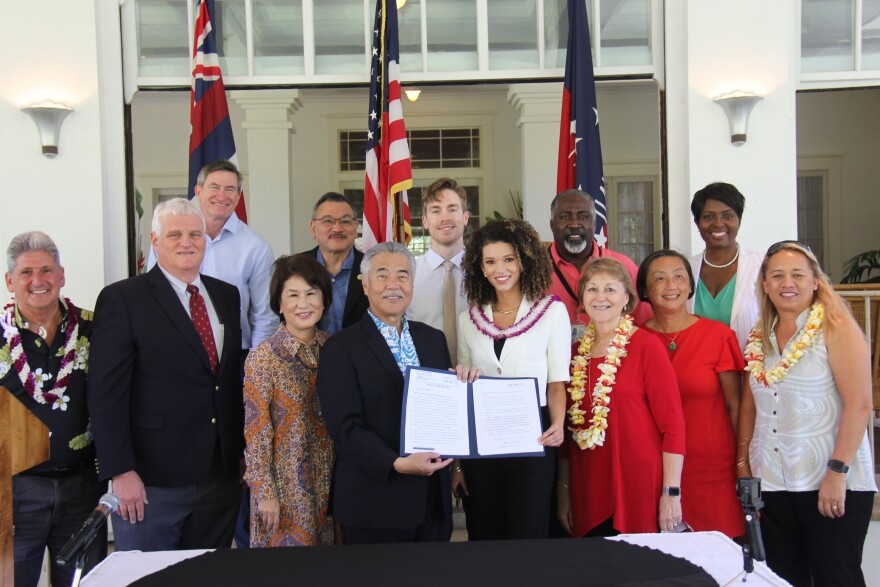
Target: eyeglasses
776,247
330,222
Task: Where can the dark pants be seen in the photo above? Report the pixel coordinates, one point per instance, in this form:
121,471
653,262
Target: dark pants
807,549
181,518
46,512
509,498
242,534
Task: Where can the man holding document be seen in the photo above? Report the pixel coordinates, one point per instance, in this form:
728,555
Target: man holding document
379,496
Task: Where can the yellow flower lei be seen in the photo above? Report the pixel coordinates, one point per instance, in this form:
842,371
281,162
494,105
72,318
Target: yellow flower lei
804,340
594,434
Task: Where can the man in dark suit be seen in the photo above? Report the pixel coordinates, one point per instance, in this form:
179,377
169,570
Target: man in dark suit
334,227
165,395
379,496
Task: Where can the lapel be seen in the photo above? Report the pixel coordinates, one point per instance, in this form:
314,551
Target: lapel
170,304
376,343
745,268
487,343
355,288
223,315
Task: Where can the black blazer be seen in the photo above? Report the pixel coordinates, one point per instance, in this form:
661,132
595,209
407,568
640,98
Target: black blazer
361,392
154,403
356,302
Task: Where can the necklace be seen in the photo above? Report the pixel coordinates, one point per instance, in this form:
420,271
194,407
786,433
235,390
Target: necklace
74,357
504,312
487,327
672,346
728,264
594,435
803,341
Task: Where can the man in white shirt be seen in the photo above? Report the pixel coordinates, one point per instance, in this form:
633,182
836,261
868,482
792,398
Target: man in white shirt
445,215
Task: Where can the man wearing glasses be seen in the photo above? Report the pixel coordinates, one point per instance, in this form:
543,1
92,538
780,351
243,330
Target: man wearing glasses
334,227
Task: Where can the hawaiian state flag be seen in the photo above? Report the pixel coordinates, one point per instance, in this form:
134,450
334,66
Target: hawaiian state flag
580,152
388,170
210,137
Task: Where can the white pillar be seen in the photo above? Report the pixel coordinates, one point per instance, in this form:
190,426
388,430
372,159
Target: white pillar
540,107
267,121
713,48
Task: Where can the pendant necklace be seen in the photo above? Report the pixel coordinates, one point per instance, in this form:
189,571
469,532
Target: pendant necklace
672,346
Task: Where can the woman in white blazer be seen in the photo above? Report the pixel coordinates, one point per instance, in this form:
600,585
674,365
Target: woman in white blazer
512,329
726,273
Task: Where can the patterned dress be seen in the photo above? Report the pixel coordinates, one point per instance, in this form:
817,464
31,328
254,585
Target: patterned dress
289,454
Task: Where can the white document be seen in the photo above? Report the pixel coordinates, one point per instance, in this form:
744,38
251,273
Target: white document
507,416
436,417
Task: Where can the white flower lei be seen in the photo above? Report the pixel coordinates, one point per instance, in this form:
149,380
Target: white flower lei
19,361
594,435
804,340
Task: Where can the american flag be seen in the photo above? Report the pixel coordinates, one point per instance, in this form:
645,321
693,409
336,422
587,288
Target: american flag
210,137
580,152
388,171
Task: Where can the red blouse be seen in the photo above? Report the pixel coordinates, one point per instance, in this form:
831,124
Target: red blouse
623,479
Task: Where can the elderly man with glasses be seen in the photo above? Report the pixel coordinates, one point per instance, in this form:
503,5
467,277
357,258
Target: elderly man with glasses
334,227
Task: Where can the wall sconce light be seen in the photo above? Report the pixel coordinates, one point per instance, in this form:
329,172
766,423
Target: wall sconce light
400,4
738,105
48,117
413,95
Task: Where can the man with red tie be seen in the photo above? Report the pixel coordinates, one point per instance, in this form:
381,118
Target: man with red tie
168,413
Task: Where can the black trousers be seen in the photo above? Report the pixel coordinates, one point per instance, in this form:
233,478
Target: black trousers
807,549
509,498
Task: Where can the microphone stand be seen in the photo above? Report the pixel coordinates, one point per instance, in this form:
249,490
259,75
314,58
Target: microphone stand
81,561
748,489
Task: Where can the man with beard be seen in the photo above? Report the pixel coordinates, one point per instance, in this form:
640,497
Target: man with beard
573,222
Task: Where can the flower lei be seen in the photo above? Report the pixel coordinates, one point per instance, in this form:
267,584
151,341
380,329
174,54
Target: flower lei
594,435
804,340
487,327
33,382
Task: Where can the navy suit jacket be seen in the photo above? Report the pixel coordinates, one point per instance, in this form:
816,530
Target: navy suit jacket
155,405
361,392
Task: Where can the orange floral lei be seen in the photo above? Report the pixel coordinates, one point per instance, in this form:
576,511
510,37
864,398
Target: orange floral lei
594,435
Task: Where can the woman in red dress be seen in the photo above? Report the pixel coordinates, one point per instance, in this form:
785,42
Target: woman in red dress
708,364
620,467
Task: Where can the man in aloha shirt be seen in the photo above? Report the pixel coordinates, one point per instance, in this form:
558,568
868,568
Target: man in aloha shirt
53,498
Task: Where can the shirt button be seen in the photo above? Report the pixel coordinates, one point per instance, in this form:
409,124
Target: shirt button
213,420
774,412
774,431
217,388
499,370
775,450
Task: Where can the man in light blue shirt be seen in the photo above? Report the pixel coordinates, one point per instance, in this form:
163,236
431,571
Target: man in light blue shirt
235,253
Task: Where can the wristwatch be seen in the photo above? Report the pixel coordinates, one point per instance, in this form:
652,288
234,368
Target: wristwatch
838,466
672,491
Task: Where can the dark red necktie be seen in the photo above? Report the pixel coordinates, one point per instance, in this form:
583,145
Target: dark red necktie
199,313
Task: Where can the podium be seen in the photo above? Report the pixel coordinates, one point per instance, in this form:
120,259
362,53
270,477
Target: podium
24,442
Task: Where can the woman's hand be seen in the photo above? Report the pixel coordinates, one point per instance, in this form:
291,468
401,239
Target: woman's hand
553,436
832,495
669,512
563,508
270,513
466,374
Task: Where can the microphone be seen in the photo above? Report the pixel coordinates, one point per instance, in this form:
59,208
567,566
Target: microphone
748,489
85,534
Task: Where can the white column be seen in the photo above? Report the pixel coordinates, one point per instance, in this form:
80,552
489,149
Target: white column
540,108
267,121
713,48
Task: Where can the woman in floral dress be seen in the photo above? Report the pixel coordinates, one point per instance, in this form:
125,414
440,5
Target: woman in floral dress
289,455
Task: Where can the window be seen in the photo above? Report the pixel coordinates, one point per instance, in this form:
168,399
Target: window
811,212
632,223
437,148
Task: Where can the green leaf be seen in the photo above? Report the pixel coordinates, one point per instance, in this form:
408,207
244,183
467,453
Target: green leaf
138,203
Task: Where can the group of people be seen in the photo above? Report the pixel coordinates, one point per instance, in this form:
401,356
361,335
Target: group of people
219,365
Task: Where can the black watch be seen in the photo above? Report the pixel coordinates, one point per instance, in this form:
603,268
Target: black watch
672,491
838,466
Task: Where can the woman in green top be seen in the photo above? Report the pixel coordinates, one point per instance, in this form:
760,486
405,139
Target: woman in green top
726,272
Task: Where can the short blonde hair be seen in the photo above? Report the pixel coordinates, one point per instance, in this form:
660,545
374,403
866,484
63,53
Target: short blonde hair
615,269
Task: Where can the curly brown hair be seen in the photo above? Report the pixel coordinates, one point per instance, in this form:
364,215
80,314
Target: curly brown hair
533,257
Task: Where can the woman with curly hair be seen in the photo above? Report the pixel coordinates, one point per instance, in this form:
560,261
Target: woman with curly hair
513,329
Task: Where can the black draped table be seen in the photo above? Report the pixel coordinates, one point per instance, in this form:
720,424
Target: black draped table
694,559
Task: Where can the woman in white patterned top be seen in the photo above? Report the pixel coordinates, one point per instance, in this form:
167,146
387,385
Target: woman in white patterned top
803,427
